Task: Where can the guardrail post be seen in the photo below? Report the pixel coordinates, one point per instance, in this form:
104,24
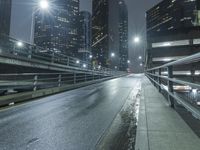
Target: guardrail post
74,78
52,58
85,77
159,79
170,86
59,80
154,78
67,61
35,83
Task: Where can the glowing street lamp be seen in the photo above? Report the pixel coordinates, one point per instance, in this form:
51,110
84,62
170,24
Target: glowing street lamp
90,56
78,62
136,39
140,57
43,4
84,65
19,44
112,54
141,64
128,61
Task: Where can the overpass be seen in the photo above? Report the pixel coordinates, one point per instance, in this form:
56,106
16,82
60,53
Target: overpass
49,101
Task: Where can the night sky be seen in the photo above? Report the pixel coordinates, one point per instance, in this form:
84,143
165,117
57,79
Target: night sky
21,23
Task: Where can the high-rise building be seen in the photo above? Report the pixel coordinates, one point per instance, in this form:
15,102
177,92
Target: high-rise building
106,32
5,15
85,33
173,30
123,36
57,29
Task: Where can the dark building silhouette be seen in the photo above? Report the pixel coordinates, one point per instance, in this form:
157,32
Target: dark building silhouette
107,31
5,15
57,29
123,36
85,33
172,31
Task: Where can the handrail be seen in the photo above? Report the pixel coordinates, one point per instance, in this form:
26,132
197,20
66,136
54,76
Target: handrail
194,85
195,112
160,82
186,60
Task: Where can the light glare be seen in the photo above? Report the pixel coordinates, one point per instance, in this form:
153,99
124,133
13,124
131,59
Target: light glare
19,44
112,54
136,39
44,4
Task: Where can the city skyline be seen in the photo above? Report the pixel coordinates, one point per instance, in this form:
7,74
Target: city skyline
125,76
21,22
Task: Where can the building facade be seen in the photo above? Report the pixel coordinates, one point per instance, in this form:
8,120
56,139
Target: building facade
5,16
57,29
123,36
172,31
107,29
85,34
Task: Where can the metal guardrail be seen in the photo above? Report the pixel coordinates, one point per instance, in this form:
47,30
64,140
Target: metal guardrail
79,71
16,83
13,47
159,80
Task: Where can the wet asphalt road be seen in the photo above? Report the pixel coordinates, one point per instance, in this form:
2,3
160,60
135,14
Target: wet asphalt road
74,120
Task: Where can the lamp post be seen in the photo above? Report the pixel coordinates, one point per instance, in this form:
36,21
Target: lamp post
42,5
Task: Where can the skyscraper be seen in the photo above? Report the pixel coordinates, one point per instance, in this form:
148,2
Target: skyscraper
123,36
85,33
173,31
107,31
170,15
57,30
5,15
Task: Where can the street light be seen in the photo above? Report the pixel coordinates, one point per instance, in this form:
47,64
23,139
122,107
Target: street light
128,61
77,61
136,39
19,44
141,64
44,4
140,57
90,56
84,65
112,54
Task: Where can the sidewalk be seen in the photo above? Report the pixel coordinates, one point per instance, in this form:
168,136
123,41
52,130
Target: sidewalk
159,126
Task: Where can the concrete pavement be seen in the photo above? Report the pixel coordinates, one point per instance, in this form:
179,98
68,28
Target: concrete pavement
159,126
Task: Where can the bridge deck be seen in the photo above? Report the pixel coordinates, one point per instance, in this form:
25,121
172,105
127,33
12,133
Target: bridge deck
159,126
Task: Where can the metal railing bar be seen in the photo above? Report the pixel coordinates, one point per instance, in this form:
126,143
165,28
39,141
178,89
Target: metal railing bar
188,106
194,85
186,60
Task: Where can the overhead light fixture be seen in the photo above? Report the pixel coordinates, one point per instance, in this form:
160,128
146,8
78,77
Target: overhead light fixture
167,44
167,59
